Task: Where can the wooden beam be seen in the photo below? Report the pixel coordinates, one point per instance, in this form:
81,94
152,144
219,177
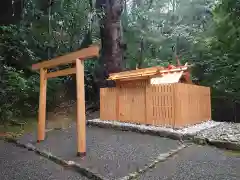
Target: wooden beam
136,74
42,105
81,117
132,78
174,70
64,72
89,52
136,71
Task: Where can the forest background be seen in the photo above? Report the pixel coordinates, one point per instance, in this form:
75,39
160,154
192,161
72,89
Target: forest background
131,33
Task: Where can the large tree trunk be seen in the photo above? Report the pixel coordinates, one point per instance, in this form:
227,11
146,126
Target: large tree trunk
111,59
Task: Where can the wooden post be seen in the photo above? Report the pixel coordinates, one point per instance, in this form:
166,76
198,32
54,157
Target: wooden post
42,105
118,86
74,57
209,104
81,117
146,103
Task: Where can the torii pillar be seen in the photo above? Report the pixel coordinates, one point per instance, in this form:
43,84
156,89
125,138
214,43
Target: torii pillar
72,58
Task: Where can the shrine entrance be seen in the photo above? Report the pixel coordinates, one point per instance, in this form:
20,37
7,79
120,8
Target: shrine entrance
71,58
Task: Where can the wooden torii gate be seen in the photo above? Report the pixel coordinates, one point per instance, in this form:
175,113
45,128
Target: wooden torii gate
71,58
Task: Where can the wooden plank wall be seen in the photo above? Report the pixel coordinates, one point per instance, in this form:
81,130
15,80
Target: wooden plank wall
193,104
174,105
108,105
132,96
181,99
160,105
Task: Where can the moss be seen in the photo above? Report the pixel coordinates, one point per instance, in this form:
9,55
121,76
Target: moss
29,125
232,153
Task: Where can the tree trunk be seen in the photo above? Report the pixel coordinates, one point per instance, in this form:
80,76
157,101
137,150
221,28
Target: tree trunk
111,59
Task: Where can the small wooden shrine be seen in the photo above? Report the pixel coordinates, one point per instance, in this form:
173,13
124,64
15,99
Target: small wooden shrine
156,96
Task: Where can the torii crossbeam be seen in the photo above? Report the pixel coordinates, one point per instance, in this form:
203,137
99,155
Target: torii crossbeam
71,58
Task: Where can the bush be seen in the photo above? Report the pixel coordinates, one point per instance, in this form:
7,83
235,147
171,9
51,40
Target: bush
19,95
19,86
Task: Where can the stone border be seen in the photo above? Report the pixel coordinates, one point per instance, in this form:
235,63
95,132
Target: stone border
86,171
162,133
183,138
67,164
217,143
161,158
175,135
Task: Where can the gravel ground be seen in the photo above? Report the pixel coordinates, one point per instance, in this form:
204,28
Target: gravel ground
225,131
222,131
193,129
19,164
110,153
197,163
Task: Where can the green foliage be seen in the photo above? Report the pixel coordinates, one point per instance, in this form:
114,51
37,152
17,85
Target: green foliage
14,48
161,25
13,86
217,49
202,32
43,33
90,85
226,43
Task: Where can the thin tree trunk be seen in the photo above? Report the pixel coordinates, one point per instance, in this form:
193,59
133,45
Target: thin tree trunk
140,58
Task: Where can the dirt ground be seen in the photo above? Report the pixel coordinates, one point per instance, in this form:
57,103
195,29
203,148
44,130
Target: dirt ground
59,118
62,117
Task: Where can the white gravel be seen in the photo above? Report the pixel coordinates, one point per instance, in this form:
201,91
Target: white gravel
189,130
209,129
225,132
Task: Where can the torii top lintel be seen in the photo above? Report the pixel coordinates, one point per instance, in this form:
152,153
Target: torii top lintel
82,54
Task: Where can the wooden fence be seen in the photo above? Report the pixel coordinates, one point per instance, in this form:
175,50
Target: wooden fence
173,105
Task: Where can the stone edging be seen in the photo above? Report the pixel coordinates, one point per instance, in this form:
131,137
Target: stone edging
217,143
162,133
68,164
86,171
161,158
172,135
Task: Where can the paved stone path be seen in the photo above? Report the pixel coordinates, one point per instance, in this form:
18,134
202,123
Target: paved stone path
110,153
20,164
197,163
115,154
